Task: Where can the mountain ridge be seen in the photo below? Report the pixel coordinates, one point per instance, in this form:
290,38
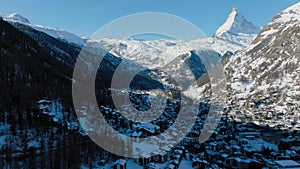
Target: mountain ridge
269,68
57,33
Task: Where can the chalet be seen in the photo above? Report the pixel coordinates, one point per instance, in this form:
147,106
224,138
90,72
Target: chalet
248,151
282,164
191,138
119,164
280,155
137,135
236,162
197,163
148,128
162,157
222,130
286,143
257,156
242,141
167,149
175,162
293,154
188,156
236,149
296,149
101,162
152,166
155,156
171,166
217,146
211,155
145,159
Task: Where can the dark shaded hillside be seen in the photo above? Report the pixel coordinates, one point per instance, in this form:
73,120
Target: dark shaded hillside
27,71
35,66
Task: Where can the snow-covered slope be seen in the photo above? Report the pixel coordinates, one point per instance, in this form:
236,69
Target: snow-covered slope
54,32
17,17
269,68
237,29
157,53
236,34
60,34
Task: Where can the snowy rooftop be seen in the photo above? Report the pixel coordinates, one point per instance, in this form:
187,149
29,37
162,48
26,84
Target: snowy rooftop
120,161
288,163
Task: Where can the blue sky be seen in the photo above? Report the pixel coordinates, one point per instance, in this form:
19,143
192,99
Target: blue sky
85,17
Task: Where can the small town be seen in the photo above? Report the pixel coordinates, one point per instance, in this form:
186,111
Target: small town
238,142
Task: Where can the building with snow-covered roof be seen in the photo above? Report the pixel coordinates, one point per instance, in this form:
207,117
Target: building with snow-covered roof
119,164
282,164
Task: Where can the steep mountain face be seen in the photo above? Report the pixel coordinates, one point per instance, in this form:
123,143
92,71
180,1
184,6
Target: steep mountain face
269,68
237,29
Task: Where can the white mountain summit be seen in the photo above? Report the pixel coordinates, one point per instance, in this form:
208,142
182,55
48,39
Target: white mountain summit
237,29
17,18
54,32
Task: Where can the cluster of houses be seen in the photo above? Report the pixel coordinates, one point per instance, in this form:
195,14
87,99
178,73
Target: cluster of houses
244,138
239,146
233,145
266,112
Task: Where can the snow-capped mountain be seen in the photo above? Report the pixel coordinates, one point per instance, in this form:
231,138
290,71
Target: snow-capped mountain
54,32
234,35
17,18
269,68
237,29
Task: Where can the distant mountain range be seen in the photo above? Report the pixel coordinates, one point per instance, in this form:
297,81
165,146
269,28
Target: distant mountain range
234,35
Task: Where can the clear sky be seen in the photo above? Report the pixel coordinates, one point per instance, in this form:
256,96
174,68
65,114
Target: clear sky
85,17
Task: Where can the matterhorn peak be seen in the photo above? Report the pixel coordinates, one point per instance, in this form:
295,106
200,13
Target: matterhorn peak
17,17
235,11
236,24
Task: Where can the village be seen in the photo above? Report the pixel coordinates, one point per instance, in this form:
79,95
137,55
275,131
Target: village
244,138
